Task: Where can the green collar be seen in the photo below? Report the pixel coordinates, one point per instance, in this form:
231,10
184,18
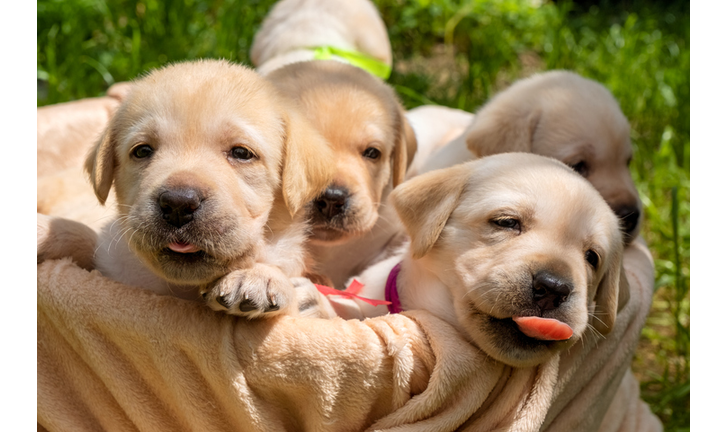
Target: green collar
367,63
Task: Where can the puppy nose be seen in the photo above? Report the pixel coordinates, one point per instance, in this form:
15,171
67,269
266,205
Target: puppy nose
178,206
332,202
549,290
629,216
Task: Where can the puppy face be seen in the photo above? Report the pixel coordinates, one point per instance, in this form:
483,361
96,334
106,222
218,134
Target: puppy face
200,154
570,118
516,235
372,142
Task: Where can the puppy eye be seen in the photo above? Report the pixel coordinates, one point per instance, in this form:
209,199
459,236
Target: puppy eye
142,151
580,168
242,153
592,257
508,223
630,159
371,153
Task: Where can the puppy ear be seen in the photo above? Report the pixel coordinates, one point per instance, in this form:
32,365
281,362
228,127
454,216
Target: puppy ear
424,204
502,129
305,171
101,163
404,151
612,294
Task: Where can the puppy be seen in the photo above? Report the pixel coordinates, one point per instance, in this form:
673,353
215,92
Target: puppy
294,29
211,171
372,146
515,250
358,114
562,115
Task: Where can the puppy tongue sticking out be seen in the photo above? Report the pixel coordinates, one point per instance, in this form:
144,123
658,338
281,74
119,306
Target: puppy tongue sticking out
183,247
543,328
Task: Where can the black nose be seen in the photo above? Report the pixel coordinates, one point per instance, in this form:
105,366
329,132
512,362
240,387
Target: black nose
332,202
178,206
549,290
629,217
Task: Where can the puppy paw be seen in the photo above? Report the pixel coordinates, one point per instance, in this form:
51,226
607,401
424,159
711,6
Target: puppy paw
260,291
311,303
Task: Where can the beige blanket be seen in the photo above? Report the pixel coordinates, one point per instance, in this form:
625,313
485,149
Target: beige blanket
112,357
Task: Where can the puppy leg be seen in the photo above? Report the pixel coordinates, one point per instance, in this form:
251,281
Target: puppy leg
311,303
58,238
260,291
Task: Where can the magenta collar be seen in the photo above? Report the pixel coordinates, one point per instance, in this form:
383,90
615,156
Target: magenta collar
392,291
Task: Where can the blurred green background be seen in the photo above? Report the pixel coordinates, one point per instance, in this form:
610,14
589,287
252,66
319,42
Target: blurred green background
458,54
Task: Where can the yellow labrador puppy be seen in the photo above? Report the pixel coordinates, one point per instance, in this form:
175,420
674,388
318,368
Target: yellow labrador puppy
211,171
358,114
372,145
303,30
515,250
558,114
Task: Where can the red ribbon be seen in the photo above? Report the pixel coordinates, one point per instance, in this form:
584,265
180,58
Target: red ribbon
350,292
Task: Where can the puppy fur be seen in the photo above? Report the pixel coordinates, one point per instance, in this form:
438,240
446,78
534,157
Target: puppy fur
372,145
565,116
211,171
293,27
482,233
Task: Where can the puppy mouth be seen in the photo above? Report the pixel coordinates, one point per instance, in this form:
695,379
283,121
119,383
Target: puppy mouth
548,329
508,329
186,253
183,248
327,233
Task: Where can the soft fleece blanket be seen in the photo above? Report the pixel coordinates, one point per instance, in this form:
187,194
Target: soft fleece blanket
118,358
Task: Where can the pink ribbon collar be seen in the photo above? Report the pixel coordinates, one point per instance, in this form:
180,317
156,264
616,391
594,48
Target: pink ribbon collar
394,305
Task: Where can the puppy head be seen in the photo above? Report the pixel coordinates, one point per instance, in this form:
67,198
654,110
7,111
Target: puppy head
372,142
516,235
570,118
198,154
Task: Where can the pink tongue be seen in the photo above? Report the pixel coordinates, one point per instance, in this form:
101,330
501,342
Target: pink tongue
183,247
543,328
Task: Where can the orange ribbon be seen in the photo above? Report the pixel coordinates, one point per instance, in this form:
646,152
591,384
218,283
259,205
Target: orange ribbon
350,292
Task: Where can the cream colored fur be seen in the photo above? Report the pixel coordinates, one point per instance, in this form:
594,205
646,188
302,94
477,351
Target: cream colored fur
355,112
293,27
558,114
113,357
192,117
474,274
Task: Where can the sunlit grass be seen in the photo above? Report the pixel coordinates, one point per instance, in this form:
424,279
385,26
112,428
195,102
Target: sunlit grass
456,53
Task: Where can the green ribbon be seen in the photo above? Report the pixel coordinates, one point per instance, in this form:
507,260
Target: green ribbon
367,63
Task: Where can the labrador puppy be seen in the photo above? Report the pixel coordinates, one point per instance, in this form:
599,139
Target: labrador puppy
357,113
516,250
294,29
212,171
372,145
565,116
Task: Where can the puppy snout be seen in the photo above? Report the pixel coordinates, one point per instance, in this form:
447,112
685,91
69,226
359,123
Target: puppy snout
629,217
549,291
332,202
178,205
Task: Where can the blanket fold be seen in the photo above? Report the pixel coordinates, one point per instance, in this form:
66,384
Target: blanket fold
118,358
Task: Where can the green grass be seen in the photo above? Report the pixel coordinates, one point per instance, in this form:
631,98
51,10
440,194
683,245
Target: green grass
456,53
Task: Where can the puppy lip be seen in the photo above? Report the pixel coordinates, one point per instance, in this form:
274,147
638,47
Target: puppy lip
184,248
185,257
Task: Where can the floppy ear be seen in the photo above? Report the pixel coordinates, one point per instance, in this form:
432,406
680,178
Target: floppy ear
101,163
404,151
502,129
306,170
612,294
424,204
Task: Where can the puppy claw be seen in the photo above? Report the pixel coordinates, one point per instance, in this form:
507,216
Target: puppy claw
247,305
224,301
